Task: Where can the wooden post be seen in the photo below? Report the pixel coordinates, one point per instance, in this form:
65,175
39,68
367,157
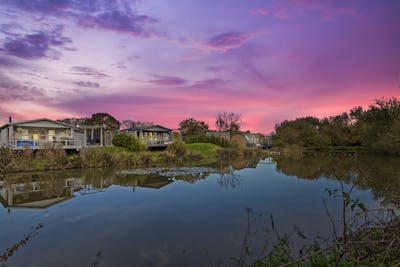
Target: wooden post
101,136
84,137
11,135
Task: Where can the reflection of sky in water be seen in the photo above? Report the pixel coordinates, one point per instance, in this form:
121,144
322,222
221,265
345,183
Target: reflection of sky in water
178,224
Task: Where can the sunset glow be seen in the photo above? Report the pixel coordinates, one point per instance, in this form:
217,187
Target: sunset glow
164,61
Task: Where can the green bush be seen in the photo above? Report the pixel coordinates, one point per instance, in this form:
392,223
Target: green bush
130,142
122,140
178,148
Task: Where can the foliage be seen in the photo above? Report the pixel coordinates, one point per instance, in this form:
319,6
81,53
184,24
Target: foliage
376,129
228,121
5,159
95,158
126,124
105,120
178,148
208,139
129,142
192,127
368,238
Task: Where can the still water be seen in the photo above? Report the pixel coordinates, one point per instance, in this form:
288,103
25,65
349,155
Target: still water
180,216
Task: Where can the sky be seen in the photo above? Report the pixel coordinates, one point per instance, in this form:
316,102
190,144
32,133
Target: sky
164,61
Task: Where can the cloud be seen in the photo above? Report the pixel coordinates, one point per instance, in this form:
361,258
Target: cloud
11,90
87,71
88,84
260,11
118,21
168,80
116,16
37,45
227,41
9,62
209,84
286,9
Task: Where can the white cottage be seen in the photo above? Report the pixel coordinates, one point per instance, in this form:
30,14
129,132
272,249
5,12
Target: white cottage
39,134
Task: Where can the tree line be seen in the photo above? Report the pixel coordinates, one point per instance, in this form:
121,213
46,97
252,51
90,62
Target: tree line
375,129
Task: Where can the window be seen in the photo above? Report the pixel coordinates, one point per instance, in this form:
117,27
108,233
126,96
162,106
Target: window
42,135
24,134
52,134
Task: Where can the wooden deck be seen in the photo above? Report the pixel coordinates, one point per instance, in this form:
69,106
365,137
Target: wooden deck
36,145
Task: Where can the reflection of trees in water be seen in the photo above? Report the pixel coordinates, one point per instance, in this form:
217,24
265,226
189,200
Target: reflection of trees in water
229,179
381,174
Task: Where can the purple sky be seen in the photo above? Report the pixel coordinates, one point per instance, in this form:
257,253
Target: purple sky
164,61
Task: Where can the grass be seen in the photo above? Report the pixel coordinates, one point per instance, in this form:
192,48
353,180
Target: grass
205,149
114,149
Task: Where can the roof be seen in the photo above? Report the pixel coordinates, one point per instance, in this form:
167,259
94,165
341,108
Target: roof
150,128
20,123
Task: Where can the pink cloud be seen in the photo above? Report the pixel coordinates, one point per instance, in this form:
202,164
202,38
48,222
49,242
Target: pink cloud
227,41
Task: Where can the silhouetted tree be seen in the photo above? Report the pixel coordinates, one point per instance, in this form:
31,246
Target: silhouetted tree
228,121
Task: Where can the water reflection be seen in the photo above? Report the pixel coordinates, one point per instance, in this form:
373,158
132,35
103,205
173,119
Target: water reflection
44,189
176,214
379,174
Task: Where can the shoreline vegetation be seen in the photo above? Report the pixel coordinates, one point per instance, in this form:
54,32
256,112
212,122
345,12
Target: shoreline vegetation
375,130
178,154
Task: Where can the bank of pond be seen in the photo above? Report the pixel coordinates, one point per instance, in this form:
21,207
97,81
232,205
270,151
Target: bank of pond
179,153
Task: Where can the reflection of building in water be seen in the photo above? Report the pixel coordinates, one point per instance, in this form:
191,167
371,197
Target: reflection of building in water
155,182
38,194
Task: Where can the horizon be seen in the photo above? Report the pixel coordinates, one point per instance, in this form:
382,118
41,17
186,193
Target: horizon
144,60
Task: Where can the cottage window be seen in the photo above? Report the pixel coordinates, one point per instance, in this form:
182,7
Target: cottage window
42,135
35,135
52,134
24,134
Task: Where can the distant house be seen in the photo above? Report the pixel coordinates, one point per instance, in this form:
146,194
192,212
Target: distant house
155,136
245,139
40,134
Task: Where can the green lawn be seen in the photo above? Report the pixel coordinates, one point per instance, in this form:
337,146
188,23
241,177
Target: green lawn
205,149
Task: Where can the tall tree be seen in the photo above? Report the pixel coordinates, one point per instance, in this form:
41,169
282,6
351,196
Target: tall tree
105,120
191,127
126,124
228,121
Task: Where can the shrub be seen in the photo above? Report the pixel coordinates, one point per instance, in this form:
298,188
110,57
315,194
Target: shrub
122,140
167,156
178,148
145,158
130,142
93,157
5,159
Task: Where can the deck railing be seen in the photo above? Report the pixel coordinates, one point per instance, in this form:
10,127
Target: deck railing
151,143
40,144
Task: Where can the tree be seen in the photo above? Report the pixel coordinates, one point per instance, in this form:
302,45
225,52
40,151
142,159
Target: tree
126,124
228,121
75,121
192,127
105,120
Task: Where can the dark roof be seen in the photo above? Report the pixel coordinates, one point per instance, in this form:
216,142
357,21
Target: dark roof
150,128
30,121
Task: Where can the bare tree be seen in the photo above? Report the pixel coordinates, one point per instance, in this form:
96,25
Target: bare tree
228,121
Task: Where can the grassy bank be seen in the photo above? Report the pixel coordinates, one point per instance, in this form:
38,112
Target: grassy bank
179,153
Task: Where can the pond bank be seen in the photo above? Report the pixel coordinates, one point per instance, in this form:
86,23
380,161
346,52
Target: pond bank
198,154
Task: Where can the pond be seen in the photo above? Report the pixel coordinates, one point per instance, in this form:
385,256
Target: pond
181,216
